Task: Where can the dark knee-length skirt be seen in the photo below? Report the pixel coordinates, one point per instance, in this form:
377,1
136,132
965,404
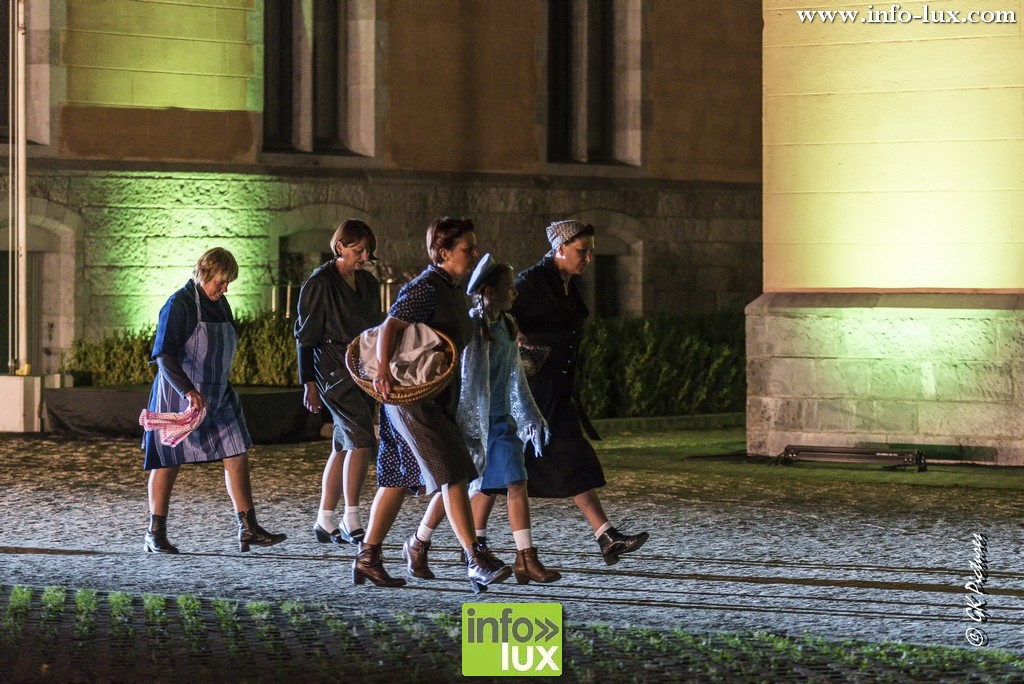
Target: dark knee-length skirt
429,429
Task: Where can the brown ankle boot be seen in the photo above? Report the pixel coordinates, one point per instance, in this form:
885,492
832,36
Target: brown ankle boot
528,567
369,565
414,552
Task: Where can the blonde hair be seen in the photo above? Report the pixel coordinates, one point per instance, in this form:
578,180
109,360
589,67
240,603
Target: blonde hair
214,262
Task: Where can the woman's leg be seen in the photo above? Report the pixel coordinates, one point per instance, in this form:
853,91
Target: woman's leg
386,504
330,490
369,564
357,463
612,542
161,482
236,480
460,515
518,507
416,547
590,504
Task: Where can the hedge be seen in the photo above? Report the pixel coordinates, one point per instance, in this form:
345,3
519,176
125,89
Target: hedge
663,366
265,356
667,365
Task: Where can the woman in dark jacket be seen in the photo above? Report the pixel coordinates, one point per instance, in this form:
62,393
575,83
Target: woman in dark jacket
338,302
551,313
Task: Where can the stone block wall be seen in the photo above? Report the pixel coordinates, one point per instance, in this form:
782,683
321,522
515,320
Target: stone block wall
943,371
135,236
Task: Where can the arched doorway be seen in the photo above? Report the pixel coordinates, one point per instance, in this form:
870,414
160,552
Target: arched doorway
54,292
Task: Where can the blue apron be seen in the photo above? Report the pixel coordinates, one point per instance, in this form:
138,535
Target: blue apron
207,362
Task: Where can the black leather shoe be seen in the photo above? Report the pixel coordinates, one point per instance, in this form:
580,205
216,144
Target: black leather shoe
353,537
613,544
250,532
156,536
325,537
483,571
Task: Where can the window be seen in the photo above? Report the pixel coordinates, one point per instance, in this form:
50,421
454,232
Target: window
594,81
319,65
277,74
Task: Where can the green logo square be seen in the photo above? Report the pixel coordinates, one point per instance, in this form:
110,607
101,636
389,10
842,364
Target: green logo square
512,639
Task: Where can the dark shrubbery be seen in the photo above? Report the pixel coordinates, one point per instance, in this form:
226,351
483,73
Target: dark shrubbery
663,366
265,356
668,365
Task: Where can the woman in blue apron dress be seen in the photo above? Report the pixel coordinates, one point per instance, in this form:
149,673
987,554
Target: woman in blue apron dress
194,348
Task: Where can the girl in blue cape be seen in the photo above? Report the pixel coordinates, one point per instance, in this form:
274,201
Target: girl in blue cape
497,415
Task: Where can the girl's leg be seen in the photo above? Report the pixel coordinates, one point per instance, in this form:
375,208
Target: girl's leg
527,566
416,547
460,515
482,505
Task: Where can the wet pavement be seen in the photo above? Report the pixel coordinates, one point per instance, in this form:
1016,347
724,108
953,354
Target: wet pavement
740,548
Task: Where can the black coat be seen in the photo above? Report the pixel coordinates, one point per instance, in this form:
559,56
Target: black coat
550,316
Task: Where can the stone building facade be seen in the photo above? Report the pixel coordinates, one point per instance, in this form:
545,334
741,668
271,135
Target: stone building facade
160,129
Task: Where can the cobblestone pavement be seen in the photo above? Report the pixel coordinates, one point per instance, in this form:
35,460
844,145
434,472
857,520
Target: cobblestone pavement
73,513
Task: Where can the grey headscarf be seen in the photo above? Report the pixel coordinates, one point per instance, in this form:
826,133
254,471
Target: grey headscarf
561,232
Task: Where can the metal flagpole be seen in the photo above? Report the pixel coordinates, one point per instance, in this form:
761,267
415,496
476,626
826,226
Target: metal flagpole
22,194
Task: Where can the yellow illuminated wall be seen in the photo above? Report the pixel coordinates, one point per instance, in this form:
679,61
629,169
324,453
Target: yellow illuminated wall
893,147
160,79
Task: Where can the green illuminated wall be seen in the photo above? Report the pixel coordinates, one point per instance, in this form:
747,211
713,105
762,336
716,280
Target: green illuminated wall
145,231
893,153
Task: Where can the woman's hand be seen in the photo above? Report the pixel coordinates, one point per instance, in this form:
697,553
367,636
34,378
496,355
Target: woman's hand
311,397
196,401
389,332
385,381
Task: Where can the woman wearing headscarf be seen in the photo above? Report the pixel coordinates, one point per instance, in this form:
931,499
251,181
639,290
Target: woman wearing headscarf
194,348
421,442
338,302
551,313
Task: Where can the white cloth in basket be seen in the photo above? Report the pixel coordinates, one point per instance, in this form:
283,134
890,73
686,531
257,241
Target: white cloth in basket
418,357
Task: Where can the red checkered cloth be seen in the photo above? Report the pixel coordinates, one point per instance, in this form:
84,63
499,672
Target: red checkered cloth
172,427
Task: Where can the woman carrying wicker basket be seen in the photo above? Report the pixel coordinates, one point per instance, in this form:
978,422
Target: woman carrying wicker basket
421,442
338,302
550,312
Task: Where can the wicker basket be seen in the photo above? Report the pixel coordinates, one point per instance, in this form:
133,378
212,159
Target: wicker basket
402,394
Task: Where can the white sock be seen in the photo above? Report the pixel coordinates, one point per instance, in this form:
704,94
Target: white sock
424,533
481,533
325,519
352,522
602,529
524,538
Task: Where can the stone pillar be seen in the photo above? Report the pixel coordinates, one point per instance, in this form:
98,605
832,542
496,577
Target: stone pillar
893,230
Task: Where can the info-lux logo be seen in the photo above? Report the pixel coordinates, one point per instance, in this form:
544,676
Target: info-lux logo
512,639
